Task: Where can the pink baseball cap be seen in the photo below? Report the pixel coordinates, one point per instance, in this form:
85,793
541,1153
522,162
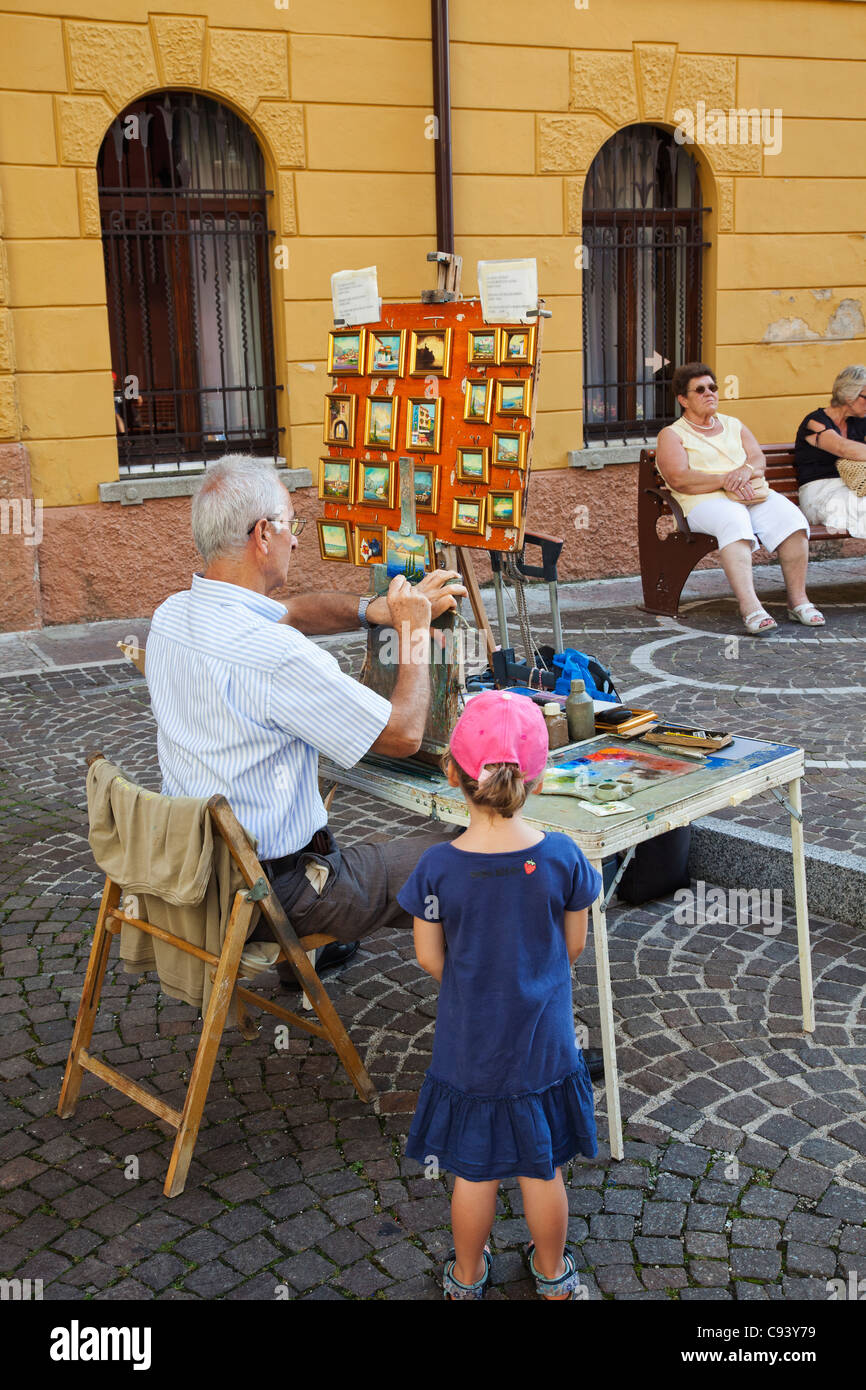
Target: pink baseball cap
500,727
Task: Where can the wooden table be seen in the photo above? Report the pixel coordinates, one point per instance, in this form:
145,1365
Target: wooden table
735,774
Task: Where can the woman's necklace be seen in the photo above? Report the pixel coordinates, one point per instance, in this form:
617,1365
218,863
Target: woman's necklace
710,426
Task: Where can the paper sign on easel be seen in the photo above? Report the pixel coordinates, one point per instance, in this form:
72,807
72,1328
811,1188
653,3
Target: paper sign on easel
355,296
508,289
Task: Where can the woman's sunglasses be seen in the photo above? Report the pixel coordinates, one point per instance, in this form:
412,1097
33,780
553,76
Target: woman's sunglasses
699,390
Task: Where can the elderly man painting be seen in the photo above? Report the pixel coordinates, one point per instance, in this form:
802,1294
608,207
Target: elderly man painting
245,702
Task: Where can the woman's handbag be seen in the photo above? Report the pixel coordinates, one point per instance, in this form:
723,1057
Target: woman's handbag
853,475
759,486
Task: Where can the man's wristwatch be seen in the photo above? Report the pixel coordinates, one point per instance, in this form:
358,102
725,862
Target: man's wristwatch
363,605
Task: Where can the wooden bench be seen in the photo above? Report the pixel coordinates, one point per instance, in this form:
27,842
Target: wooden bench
666,563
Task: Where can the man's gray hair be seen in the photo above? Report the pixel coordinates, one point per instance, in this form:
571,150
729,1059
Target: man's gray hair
236,492
848,384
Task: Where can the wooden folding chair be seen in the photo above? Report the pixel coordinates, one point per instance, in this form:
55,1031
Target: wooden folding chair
258,896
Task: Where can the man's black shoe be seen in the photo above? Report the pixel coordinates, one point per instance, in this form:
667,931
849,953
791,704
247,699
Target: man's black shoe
595,1063
327,958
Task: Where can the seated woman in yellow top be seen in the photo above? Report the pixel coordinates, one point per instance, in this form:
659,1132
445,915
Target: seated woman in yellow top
714,468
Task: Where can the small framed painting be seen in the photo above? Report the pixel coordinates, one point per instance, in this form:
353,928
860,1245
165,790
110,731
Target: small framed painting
334,540
483,347
430,353
380,422
473,465
408,555
517,347
375,484
503,508
427,489
346,353
386,353
424,425
369,545
478,401
339,419
512,397
336,477
509,450
468,514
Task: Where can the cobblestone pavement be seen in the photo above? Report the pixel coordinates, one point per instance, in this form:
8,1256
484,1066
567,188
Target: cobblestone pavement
745,1170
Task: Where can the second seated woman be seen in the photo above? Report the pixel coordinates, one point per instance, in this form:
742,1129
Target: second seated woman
714,468
837,432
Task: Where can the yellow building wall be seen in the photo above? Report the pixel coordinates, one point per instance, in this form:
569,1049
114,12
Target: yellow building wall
339,97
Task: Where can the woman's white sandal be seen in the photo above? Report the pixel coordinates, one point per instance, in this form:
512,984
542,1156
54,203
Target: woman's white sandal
759,623
803,614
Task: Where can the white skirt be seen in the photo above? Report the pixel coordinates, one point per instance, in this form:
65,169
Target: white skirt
828,502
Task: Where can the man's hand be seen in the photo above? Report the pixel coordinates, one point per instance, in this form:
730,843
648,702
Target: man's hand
406,604
433,587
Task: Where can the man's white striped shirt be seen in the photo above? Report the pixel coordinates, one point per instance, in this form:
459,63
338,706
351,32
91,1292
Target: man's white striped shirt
244,704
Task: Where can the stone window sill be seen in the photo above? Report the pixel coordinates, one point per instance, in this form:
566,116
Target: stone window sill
600,455
133,491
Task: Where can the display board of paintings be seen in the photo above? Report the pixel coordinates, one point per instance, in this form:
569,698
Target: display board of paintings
434,383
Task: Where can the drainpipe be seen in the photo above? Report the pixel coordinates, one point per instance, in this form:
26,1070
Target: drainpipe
442,111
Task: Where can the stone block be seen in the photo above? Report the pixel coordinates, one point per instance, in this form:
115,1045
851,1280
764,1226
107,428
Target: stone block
655,63
179,45
82,123
568,144
35,47
247,65
282,127
116,59
26,129
604,82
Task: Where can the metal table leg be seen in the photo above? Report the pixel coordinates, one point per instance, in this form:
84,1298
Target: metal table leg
803,943
602,968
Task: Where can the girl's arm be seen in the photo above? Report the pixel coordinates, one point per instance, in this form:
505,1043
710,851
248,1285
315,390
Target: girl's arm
430,944
575,934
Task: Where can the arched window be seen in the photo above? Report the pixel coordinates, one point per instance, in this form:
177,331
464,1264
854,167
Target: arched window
644,246
183,204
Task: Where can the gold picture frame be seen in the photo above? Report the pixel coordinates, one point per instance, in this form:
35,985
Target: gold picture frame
337,480
374,485
430,352
427,494
517,346
386,352
380,422
340,411
346,350
424,424
473,465
369,544
334,540
483,346
513,398
503,509
478,402
461,518
509,449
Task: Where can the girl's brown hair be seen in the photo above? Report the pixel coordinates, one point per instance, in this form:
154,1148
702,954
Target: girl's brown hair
503,793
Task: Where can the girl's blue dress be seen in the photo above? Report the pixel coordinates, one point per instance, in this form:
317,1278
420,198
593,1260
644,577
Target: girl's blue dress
508,1092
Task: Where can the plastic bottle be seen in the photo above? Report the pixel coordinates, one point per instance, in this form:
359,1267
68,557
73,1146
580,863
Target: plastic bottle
580,713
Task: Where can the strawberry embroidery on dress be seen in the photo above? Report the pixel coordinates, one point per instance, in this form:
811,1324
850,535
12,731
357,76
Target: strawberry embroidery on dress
529,866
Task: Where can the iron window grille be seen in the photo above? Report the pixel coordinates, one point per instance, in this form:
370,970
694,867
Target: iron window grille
642,281
184,213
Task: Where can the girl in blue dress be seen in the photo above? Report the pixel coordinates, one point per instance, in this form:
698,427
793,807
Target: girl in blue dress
500,915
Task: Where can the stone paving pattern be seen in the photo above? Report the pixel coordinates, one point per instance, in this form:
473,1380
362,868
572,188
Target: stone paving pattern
745,1170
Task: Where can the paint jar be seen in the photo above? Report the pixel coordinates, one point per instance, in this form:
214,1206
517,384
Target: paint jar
580,713
557,725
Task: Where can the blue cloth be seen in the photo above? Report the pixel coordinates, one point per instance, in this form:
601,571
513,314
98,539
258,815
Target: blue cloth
508,1092
244,704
